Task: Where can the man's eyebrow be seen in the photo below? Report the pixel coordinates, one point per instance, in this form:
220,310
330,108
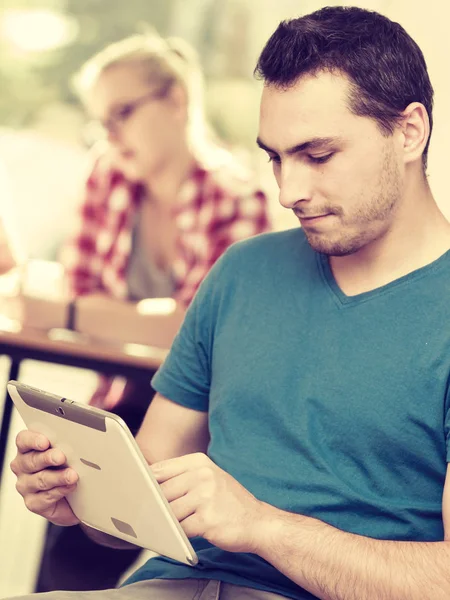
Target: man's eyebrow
263,146
312,144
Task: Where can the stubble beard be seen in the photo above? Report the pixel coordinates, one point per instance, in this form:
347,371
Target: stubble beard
369,222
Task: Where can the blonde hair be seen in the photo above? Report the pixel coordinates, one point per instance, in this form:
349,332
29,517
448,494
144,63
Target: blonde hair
164,62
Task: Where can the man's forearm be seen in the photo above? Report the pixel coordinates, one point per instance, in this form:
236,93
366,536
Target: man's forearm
104,539
335,565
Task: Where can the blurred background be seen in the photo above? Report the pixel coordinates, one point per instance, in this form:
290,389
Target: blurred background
43,42
43,143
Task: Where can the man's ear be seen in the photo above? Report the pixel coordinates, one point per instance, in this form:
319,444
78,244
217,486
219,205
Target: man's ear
415,126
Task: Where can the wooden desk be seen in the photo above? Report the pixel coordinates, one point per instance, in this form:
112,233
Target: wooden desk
66,348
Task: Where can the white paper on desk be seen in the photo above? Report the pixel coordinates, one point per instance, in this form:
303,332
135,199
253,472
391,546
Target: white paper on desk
59,334
44,279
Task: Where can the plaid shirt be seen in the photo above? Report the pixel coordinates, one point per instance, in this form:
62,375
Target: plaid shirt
217,205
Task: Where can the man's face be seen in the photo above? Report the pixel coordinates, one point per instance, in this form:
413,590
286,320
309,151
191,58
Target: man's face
342,178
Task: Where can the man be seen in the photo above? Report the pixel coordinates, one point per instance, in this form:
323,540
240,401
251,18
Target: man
312,366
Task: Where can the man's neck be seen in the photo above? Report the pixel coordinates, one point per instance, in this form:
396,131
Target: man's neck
416,240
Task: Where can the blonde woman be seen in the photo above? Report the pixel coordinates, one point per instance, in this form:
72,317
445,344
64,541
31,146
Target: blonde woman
162,203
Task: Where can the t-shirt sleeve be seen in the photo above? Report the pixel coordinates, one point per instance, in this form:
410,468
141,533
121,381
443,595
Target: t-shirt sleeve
185,375
447,424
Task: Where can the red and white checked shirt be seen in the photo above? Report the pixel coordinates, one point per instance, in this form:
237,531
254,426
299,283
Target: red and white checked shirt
217,205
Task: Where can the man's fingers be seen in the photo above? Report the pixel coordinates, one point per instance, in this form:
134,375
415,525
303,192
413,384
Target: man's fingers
33,462
192,526
177,486
45,480
184,507
172,467
46,503
31,440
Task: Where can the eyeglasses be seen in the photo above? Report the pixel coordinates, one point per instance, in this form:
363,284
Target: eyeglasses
125,111
94,129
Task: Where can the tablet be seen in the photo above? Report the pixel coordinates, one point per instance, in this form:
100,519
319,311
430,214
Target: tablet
116,492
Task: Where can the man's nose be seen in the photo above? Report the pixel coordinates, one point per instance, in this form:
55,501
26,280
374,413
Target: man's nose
295,185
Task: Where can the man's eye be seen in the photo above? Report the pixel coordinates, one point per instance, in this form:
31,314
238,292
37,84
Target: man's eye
274,159
319,160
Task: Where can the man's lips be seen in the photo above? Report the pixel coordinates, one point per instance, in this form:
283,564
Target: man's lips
315,220
312,217
307,218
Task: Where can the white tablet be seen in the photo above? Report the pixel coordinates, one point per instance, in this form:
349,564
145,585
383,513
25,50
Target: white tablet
116,492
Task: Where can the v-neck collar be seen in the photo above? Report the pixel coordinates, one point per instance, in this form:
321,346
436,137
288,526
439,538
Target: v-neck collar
343,300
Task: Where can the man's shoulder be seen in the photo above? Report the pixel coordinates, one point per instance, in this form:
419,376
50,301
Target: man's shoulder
251,266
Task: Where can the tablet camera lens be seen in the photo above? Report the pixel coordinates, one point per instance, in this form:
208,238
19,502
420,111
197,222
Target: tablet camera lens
61,410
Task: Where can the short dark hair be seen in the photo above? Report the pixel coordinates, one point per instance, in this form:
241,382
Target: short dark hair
385,66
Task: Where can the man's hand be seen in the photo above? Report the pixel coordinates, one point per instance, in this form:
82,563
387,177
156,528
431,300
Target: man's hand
210,503
42,479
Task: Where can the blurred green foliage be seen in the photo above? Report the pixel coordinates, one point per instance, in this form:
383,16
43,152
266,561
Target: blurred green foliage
30,80
222,31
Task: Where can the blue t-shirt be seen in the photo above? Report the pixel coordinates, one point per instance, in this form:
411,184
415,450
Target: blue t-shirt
319,403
